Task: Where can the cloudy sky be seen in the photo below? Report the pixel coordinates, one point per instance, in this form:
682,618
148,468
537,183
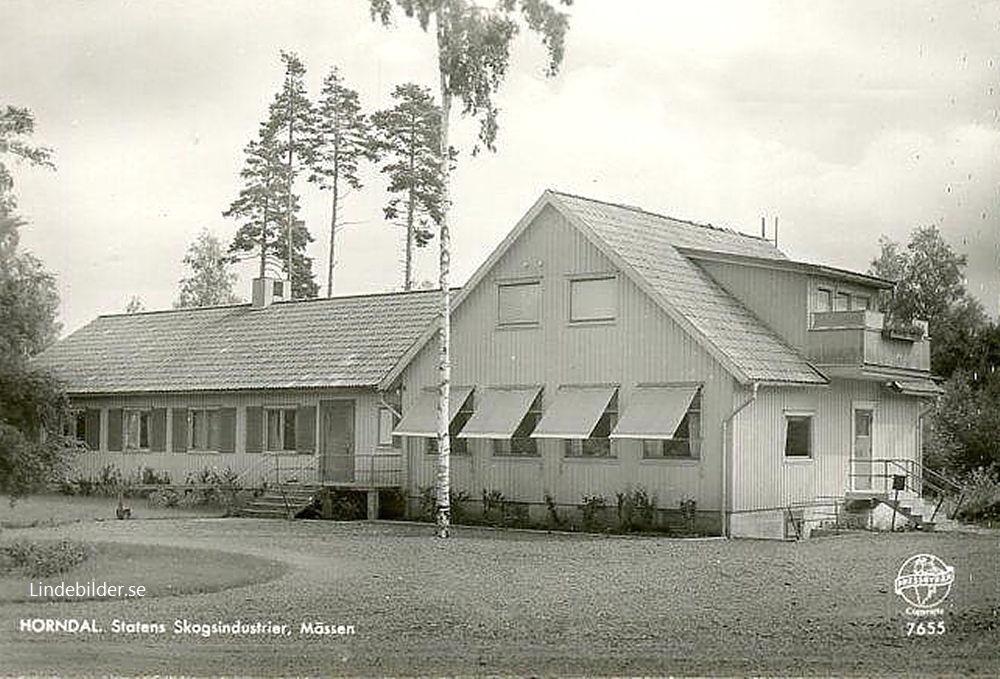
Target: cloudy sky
845,119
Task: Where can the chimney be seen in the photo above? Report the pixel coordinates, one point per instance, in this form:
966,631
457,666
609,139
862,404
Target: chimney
268,290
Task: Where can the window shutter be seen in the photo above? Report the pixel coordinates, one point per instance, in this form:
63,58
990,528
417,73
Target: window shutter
255,429
158,430
178,429
305,429
227,430
115,429
93,419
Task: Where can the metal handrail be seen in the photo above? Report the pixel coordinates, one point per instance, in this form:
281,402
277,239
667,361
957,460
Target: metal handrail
929,479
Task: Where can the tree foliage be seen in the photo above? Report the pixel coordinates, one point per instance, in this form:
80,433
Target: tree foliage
965,348
473,53
293,119
342,141
209,281
16,124
409,138
930,285
267,201
32,405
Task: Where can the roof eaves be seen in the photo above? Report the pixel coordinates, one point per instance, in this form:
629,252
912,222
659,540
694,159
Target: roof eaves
786,265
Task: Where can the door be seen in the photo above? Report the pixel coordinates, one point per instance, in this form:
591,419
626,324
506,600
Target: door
337,440
862,450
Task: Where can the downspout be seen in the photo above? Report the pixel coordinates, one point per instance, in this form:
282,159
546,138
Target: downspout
728,451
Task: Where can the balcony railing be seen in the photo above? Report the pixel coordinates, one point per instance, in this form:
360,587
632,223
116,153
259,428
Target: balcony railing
861,338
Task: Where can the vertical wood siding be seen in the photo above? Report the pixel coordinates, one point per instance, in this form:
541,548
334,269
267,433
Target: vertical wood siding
763,477
642,345
253,467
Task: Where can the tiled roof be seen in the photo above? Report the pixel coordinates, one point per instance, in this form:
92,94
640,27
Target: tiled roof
338,342
648,244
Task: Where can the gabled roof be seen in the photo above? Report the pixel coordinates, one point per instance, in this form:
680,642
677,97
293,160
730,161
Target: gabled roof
337,342
647,247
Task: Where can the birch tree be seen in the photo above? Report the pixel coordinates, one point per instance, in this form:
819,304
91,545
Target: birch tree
473,53
342,142
409,138
209,281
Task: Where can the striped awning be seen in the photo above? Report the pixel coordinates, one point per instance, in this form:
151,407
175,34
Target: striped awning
421,420
574,413
499,411
654,412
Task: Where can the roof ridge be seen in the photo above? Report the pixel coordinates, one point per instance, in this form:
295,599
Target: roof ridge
397,293
636,208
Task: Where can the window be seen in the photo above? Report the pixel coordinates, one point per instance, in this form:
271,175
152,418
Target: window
824,300
279,288
599,442
860,303
518,303
842,302
798,435
76,425
135,429
593,299
203,429
686,442
520,444
387,421
279,429
458,446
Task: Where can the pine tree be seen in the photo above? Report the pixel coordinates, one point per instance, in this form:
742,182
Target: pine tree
292,115
473,52
409,136
342,142
210,282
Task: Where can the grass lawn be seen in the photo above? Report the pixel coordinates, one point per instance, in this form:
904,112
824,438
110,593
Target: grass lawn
494,602
52,510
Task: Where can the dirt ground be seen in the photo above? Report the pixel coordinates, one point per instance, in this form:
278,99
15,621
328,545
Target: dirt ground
513,602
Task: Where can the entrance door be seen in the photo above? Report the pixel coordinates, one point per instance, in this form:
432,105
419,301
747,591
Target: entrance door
862,450
337,440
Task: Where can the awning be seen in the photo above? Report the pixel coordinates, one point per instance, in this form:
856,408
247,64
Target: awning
918,387
574,413
654,412
498,412
421,420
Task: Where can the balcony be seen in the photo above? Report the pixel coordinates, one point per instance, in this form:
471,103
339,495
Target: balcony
860,339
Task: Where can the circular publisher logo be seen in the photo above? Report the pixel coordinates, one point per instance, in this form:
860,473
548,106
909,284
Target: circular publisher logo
924,580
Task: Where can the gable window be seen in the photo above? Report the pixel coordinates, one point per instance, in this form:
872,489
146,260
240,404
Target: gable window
520,444
519,303
135,429
593,299
798,435
279,429
686,441
598,444
203,429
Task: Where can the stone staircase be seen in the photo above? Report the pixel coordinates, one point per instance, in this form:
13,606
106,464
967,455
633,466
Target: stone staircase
918,513
282,502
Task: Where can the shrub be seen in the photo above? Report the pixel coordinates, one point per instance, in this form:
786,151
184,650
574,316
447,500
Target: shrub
458,501
592,508
981,499
150,477
41,559
636,510
555,519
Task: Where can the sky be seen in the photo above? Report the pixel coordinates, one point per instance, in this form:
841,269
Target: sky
845,120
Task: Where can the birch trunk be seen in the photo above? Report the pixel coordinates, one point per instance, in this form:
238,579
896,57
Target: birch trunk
443,479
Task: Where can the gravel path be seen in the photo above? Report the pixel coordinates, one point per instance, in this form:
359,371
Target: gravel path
510,602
